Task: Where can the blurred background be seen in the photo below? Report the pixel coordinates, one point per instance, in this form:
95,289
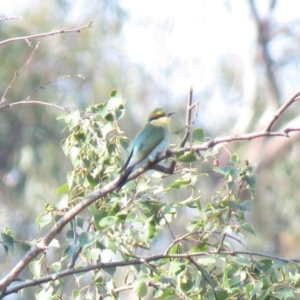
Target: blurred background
241,57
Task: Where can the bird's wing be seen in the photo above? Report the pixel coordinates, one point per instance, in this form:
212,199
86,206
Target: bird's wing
150,141
143,146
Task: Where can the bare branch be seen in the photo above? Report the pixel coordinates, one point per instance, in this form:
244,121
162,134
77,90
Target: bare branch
41,35
188,118
18,73
263,28
282,109
26,102
132,262
9,18
54,80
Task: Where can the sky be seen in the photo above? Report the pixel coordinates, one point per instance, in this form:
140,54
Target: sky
182,43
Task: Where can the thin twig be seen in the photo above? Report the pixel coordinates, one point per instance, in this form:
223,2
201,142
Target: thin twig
263,33
281,110
17,73
170,281
188,118
9,18
78,251
54,80
204,276
41,35
26,102
233,192
169,227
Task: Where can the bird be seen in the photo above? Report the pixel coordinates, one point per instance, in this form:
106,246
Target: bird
151,141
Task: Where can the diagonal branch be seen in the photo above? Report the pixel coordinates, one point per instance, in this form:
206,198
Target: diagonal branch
54,80
41,35
138,261
280,111
204,276
17,73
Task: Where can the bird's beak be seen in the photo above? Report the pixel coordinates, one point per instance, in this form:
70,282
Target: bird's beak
171,113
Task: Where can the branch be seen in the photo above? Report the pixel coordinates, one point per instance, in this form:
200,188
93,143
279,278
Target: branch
25,102
9,18
263,40
208,145
18,73
54,80
204,276
40,35
282,109
188,118
57,227
133,262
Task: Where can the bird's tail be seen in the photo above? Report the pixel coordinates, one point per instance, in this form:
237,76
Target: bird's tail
123,178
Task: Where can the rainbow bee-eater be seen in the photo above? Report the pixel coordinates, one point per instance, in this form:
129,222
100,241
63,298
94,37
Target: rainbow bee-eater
150,142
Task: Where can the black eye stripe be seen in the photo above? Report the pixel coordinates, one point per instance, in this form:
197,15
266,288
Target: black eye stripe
156,117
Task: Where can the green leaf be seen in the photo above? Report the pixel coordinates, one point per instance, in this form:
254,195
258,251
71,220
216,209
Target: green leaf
112,93
63,189
35,268
93,254
63,203
200,247
25,246
76,295
280,264
107,221
115,100
198,134
43,220
186,284
251,180
258,286
246,205
188,157
176,267
235,159
140,289
72,119
175,249
185,180
243,260
285,293
87,239
79,222
248,227
111,270
98,215
56,266
8,242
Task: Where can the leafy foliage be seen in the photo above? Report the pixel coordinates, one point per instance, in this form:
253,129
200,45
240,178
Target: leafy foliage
204,260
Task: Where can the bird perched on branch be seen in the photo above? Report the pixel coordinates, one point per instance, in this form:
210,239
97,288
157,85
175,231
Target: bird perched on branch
153,140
